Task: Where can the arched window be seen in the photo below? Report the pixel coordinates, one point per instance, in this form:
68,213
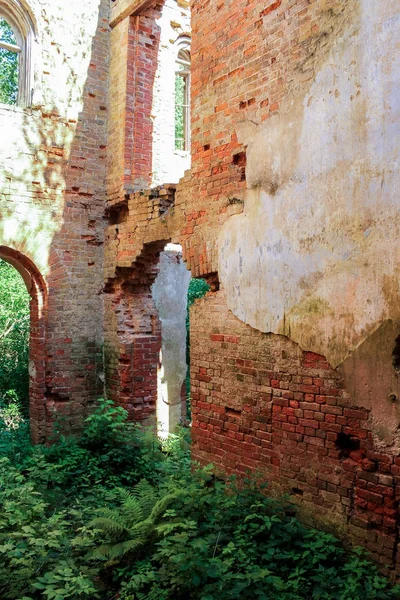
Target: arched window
16,36
182,95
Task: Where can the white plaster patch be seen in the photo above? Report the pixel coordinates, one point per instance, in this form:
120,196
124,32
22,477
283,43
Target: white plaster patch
315,255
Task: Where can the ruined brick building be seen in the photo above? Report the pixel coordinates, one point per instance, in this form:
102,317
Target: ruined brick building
288,208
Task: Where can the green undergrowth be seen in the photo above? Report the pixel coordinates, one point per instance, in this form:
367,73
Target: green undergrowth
118,515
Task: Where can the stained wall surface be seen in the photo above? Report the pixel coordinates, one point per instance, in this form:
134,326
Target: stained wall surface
303,106
290,212
52,186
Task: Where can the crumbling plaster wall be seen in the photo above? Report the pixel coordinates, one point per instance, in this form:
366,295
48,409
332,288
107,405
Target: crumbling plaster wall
322,205
52,194
292,192
316,244
289,211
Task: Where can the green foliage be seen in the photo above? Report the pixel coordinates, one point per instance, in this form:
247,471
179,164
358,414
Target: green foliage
34,545
180,83
9,66
132,525
75,526
197,289
14,337
220,541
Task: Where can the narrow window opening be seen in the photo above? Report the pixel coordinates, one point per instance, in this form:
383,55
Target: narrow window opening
182,99
17,37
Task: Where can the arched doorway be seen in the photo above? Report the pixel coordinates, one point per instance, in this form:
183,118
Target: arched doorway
36,287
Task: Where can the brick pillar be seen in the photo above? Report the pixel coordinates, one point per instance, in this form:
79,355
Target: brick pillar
146,350
134,55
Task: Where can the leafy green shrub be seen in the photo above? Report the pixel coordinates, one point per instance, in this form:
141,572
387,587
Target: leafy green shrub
75,526
197,289
15,442
219,541
35,546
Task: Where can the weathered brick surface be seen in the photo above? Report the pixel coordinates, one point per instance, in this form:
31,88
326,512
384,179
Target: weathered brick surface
259,401
134,53
139,228
52,194
246,59
261,404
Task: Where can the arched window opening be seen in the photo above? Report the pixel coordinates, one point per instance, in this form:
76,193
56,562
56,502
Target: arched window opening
16,36
10,51
182,97
14,346
22,271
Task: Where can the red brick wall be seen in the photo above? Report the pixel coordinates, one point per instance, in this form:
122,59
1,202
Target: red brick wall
74,361
261,404
138,230
134,53
259,401
54,188
247,56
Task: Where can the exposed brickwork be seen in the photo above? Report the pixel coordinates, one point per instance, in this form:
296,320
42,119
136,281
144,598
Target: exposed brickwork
52,195
261,404
134,43
259,401
139,228
247,57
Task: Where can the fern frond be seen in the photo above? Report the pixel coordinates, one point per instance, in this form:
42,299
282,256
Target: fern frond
144,489
113,514
110,526
146,496
161,506
131,509
141,529
102,552
119,550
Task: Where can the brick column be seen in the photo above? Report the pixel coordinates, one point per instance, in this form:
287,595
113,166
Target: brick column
134,53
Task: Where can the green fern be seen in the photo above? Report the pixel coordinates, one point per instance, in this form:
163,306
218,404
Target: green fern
128,528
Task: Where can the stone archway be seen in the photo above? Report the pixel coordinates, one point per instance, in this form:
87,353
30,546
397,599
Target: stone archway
38,304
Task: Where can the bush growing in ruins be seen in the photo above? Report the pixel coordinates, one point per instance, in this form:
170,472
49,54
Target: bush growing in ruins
75,525
14,338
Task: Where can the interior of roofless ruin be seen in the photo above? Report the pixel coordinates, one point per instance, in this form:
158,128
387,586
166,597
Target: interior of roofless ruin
248,149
